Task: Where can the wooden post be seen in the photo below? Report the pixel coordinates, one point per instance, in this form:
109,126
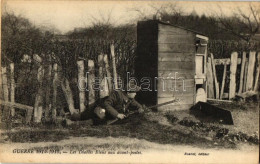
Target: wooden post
6,110
82,85
250,71
223,81
215,77
257,73
112,48
39,99
12,88
54,96
68,95
242,72
233,70
103,92
1,92
210,79
245,76
91,80
108,76
48,92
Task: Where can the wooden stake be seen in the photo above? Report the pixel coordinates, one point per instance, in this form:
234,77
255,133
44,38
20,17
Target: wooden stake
233,70
12,88
91,80
6,110
257,73
242,72
250,71
1,92
210,79
215,77
38,99
223,81
82,85
54,96
68,95
109,77
245,76
103,92
112,48
48,92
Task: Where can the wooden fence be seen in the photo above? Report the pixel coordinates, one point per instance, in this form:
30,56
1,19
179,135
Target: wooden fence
49,78
240,82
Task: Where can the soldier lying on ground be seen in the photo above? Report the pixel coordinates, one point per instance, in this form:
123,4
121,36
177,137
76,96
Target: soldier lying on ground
117,105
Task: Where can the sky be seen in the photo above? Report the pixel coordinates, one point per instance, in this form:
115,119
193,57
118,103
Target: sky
67,15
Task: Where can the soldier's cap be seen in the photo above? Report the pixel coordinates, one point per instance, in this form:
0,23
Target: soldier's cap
132,87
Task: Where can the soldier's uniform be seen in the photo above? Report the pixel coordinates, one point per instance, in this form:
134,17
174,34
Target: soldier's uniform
117,102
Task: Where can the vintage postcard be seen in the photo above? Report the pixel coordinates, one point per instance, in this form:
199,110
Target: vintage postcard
129,81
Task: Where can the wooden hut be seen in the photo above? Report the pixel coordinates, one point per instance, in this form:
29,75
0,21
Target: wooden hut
170,62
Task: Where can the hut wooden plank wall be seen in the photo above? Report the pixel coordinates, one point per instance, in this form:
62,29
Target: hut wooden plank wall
174,58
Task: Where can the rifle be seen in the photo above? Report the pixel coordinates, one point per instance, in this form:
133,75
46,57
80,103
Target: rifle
147,109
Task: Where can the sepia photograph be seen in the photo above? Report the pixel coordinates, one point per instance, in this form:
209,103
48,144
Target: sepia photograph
86,81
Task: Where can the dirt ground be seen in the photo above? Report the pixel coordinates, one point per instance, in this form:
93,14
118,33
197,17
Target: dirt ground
151,131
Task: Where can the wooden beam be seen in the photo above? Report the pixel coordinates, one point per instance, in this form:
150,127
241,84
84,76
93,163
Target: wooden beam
210,79
228,101
223,81
250,71
15,105
225,61
29,109
242,72
215,77
233,70
257,73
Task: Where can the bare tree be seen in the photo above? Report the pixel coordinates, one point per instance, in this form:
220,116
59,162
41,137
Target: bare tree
241,24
